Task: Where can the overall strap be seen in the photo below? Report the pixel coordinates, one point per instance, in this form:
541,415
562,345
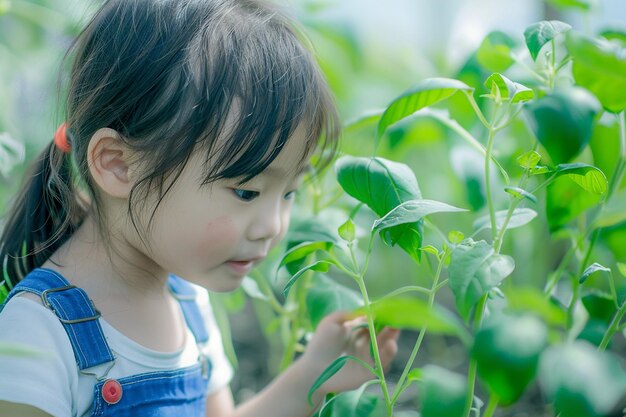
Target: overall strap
74,310
186,296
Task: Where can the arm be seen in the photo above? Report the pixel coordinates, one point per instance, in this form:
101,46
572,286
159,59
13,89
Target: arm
8,409
287,395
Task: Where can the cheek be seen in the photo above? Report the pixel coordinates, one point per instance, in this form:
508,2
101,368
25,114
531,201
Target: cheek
218,236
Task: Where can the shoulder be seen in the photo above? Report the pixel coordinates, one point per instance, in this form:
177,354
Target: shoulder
25,317
36,357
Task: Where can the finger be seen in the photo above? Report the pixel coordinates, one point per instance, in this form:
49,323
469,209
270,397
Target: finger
388,345
388,333
358,321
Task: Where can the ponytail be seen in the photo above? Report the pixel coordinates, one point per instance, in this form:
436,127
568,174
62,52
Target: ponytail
44,215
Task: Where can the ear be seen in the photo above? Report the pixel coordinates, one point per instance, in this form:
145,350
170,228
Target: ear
109,163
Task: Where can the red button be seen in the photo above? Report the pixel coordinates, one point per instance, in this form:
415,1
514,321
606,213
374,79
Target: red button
111,391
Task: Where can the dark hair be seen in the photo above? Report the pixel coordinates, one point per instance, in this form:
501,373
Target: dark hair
165,74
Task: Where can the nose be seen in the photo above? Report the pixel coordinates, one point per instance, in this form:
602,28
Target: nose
268,222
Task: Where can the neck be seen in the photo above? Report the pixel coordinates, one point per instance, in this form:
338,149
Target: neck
108,269
129,290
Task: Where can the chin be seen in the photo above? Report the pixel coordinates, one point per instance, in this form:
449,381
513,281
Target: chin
222,285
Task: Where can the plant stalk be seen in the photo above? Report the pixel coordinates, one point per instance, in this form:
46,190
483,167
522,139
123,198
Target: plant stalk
374,341
492,212
491,406
613,328
473,365
420,338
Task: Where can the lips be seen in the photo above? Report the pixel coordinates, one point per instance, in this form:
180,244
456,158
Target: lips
243,266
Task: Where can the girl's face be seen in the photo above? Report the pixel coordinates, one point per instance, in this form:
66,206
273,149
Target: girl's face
213,235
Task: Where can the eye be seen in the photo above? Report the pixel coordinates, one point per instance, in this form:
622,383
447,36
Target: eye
245,195
290,195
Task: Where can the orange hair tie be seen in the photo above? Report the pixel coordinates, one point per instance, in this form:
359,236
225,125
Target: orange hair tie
60,139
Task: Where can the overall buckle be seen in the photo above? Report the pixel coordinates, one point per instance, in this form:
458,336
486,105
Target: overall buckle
46,303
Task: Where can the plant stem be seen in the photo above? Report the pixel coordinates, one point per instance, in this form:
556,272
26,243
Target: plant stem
374,341
520,61
556,276
621,162
497,243
492,212
469,138
473,365
613,327
479,113
420,338
268,292
581,270
410,288
492,405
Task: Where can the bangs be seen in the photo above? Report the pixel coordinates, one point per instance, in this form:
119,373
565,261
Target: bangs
270,86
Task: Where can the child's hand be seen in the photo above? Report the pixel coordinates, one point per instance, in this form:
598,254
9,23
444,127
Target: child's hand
339,334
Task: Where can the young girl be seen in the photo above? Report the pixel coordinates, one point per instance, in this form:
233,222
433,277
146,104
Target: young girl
189,126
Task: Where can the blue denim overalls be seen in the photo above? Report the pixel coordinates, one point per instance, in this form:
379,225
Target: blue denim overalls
179,392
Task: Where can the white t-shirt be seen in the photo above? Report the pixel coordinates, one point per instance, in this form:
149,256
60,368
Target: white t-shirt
51,380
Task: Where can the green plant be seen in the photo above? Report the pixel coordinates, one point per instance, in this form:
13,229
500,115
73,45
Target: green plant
566,115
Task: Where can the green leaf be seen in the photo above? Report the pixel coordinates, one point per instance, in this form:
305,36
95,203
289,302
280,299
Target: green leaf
507,90
588,177
599,305
410,212
415,314
426,93
327,296
577,4
538,170
591,269
304,249
520,192
600,67
529,160
251,288
475,268
455,237
540,33
563,121
4,292
507,350
415,375
366,119
357,403
565,201
382,185
430,249
532,300
622,269
319,266
519,218
614,34
582,381
331,370
442,392
494,52
347,231
593,332
605,147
